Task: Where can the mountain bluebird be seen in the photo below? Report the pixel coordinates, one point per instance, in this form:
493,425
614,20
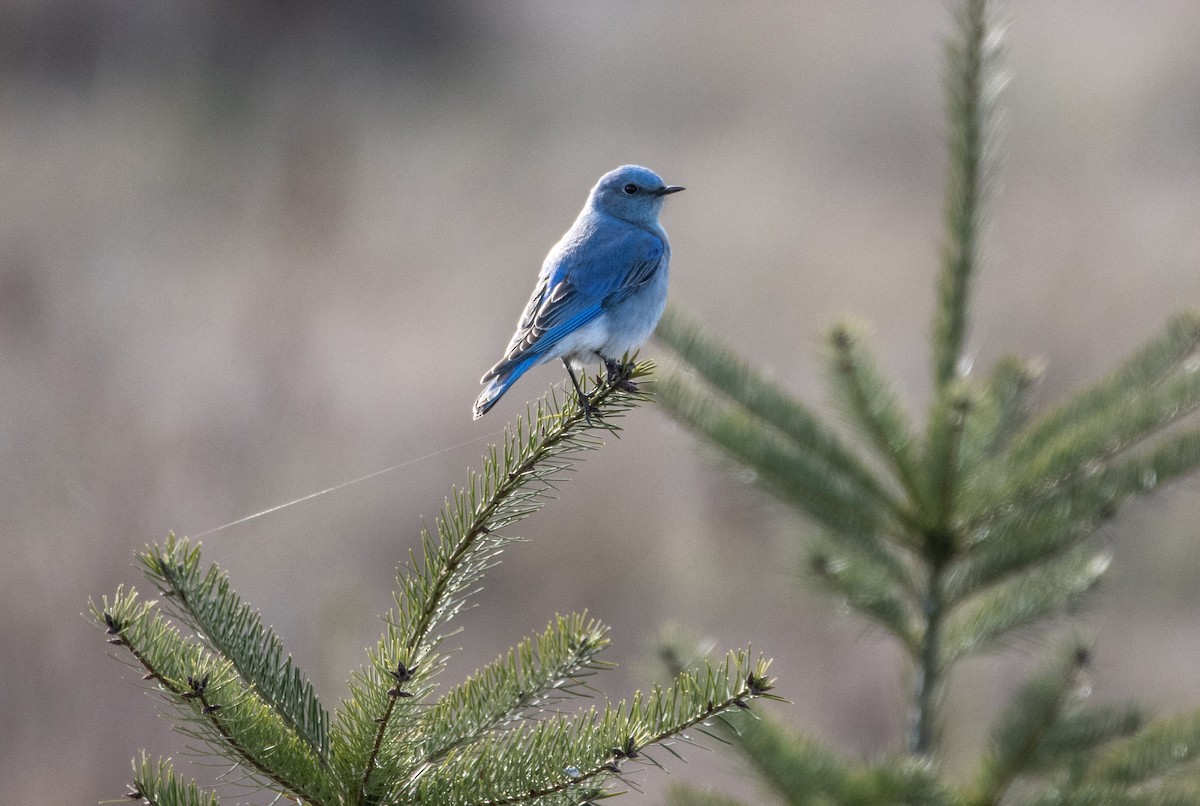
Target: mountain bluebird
601,290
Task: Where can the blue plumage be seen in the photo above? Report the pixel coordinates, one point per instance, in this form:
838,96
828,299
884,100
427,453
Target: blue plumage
601,289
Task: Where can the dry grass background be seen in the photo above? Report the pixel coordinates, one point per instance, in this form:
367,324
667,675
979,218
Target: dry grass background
247,252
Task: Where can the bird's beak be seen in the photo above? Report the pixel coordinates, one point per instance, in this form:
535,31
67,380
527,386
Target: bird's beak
663,191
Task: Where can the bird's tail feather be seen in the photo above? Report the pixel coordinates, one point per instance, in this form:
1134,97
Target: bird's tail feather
498,385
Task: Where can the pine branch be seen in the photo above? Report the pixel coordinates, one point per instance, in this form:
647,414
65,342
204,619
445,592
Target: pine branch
802,772
230,629
684,795
1018,543
385,703
870,589
1078,450
1174,794
946,464
782,465
763,399
868,397
512,486
155,784
928,676
1171,353
1161,749
531,678
494,739
972,85
1001,410
1018,603
799,769
907,781
1032,715
979,532
560,758
516,481
211,701
1081,733
1039,528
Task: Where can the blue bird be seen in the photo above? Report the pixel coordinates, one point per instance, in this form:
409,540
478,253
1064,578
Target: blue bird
601,290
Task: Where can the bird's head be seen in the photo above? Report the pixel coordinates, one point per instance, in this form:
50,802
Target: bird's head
632,193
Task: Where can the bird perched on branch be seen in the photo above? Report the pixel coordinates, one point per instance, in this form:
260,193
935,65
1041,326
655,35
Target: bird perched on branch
601,289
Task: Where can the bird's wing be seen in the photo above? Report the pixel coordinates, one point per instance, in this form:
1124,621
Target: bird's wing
584,282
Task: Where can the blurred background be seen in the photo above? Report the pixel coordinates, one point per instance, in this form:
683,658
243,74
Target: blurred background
250,251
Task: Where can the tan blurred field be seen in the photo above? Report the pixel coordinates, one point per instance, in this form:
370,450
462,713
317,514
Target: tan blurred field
249,252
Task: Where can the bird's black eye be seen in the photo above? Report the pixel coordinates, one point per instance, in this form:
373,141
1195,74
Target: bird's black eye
630,189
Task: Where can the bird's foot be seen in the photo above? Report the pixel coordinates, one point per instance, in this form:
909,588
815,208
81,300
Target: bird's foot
619,374
585,405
